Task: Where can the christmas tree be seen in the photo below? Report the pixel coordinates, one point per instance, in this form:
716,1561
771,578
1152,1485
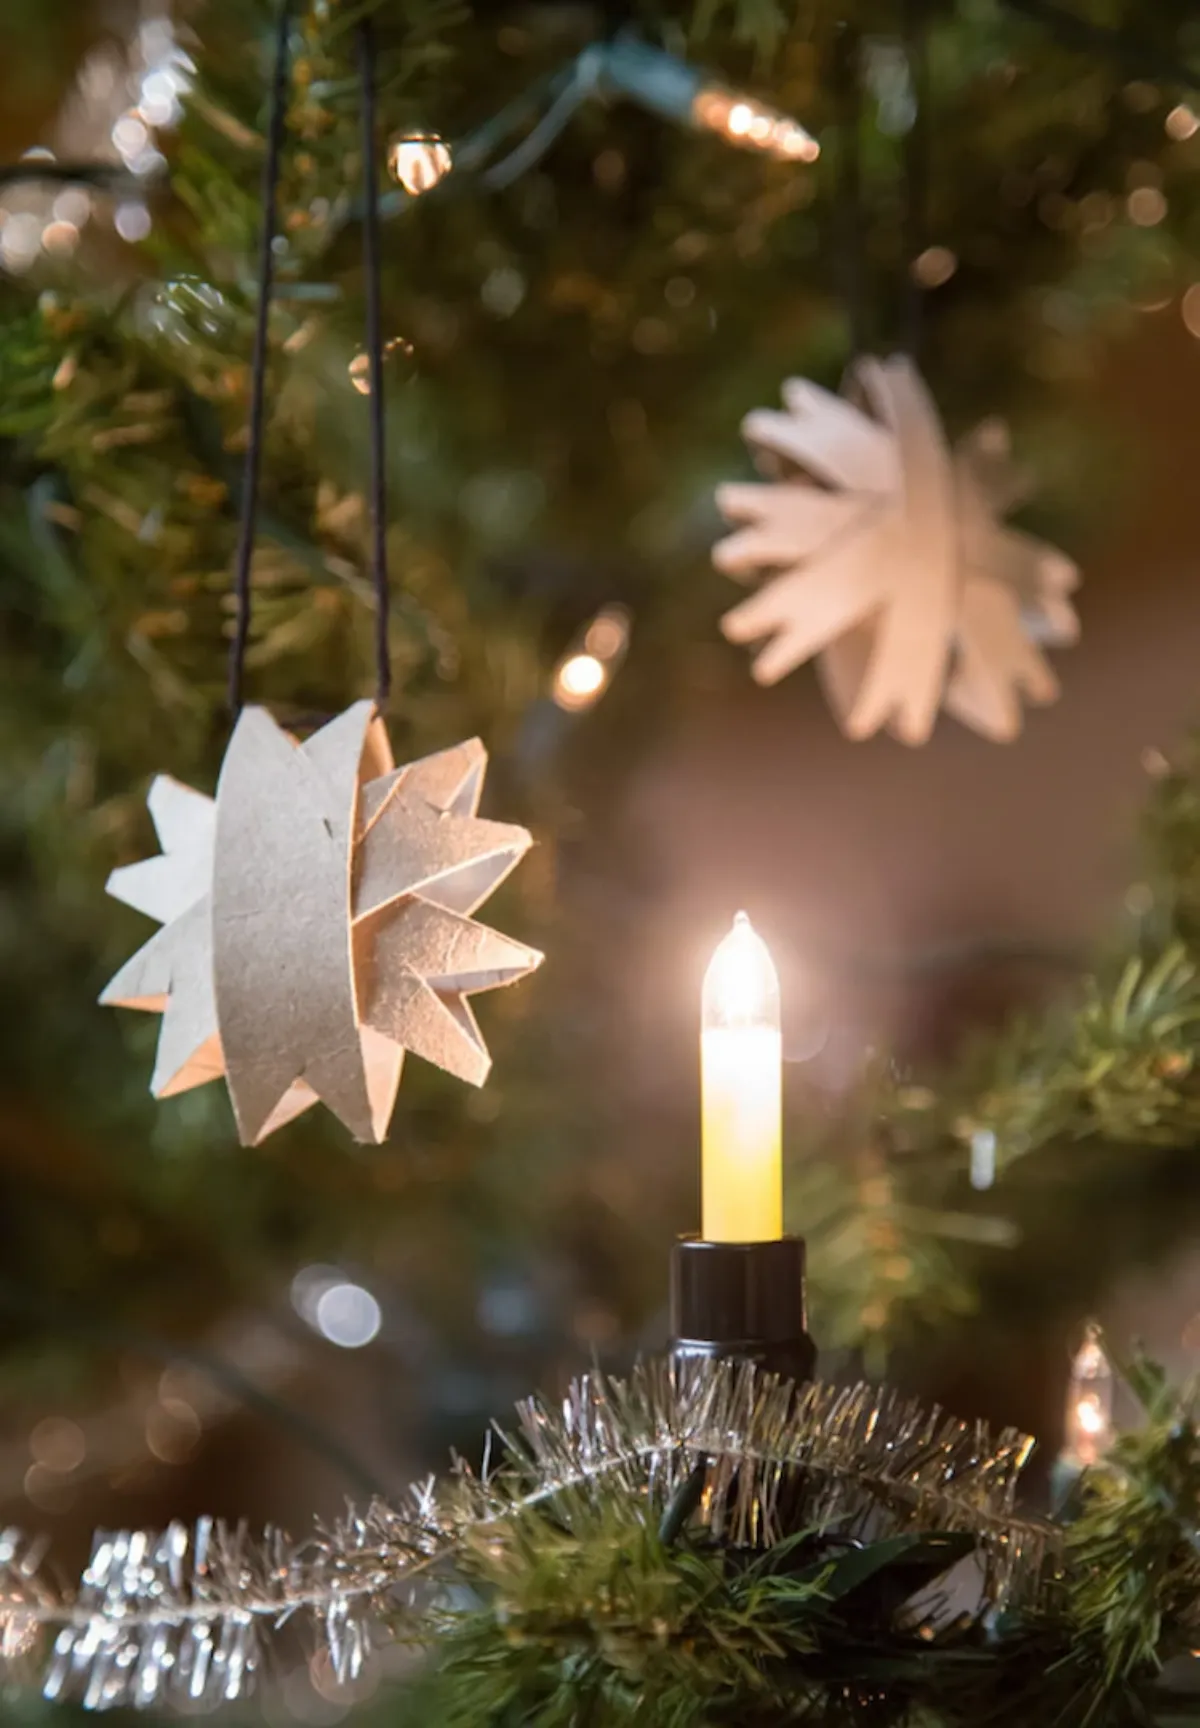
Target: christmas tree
504,282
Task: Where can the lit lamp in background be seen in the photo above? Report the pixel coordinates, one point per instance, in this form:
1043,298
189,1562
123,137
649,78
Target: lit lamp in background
672,88
737,1289
1088,1423
1088,1430
741,120
657,81
590,663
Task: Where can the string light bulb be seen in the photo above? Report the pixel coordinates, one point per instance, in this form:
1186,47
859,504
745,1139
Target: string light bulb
1181,123
579,681
665,85
587,668
751,125
1088,1431
418,160
359,370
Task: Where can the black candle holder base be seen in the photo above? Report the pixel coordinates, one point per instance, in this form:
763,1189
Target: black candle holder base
742,1300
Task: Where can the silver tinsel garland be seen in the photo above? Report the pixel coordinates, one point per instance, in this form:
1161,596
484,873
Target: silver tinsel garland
188,1615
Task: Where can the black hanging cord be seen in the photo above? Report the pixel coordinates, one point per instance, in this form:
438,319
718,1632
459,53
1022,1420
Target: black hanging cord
916,168
374,341
258,364
847,73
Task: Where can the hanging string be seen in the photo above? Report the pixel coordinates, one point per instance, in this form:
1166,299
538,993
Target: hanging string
374,341
916,168
847,78
258,364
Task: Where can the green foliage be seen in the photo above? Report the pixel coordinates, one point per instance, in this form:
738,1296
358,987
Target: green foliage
603,1623
609,1626
1143,1501
1105,1074
606,1626
584,1615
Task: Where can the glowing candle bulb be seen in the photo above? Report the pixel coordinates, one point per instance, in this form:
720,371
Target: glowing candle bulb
741,1064
1089,1424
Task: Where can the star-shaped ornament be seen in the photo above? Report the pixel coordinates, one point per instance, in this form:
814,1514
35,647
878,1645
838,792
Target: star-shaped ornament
317,922
891,560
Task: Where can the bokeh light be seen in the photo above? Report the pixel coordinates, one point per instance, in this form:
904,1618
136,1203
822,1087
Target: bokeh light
418,161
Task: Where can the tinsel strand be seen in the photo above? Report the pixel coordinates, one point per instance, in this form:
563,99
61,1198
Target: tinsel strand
179,1615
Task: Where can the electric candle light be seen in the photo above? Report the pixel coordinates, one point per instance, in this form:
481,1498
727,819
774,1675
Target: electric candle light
737,1289
1088,1428
1089,1425
741,1060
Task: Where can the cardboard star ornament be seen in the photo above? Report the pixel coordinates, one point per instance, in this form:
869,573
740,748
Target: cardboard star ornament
892,563
317,922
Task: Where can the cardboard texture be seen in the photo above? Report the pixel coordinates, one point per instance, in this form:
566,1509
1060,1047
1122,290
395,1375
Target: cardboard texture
316,922
893,565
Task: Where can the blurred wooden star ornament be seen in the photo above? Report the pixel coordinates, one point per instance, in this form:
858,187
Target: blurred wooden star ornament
892,563
317,922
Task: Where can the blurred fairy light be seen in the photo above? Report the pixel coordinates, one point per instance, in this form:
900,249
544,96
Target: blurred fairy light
73,204
658,81
665,85
309,1285
166,77
159,103
131,219
58,1447
58,1444
752,125
983,1159
1181,123
348,1316
120,102
607,636
591,662
503,291
579,681
1088,1430
159,1418
1146,206
172,1431
359,368
418,161
934,266
1189,307
343,1312
889,78
20,240
60,238
360,373
130,136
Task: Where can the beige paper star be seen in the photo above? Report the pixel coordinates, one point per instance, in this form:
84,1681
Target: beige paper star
892,563
317,922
